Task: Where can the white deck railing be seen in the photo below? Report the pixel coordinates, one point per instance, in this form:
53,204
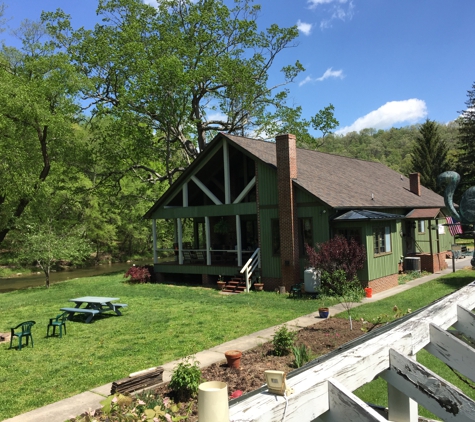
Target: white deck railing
323,389
249,267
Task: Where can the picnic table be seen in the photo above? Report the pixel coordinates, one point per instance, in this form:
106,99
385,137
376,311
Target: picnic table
94,305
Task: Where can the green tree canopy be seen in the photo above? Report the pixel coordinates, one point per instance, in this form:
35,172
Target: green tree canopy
179,71
430,155
37,109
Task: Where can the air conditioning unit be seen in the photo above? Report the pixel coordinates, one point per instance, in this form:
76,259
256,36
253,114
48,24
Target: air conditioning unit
412,263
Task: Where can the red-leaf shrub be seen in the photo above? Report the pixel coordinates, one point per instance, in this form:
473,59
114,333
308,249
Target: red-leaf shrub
337,254
138,274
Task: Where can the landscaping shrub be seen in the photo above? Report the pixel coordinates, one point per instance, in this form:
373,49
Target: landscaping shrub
138,274
186,379
336,254
283,341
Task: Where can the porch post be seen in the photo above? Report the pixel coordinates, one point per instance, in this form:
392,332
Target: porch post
154,239
239,240
180,240
401,408
429,227
208,242
185,194
227,178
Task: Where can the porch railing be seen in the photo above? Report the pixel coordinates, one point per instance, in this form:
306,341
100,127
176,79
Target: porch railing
249,267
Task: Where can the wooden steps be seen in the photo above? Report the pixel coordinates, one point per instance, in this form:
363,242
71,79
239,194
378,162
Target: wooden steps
236,285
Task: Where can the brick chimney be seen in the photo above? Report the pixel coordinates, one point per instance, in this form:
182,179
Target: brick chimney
286,152
415,183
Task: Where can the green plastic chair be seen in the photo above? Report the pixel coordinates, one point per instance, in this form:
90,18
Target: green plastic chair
59,321
25,332
296,290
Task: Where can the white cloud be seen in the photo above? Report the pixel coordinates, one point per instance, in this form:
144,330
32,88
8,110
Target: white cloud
336,9
306,80
217,116
315,3
386,116
330,73
305,28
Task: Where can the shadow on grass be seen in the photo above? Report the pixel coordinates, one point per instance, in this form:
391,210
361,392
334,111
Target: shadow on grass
457,281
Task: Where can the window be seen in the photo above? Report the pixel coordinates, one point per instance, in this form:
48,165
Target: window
305,234
275,233
382,240
420,226
349,234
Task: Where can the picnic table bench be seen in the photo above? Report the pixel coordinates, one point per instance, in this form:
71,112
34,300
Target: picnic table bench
94,305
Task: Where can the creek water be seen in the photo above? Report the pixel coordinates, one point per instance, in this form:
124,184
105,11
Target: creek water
24,281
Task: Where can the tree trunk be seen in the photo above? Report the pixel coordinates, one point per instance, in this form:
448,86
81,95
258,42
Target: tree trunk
47,271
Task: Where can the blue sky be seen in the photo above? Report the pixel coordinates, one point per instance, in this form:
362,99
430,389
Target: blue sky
381,63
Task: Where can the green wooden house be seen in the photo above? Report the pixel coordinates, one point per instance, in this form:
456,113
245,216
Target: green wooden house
252,205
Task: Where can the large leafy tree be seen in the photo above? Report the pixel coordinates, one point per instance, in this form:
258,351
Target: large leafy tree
466,155
178,72
430,155
52,230
37,109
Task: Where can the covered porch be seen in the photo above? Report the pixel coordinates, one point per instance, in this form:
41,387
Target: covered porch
228,241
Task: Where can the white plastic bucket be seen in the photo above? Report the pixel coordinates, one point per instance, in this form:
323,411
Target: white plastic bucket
213,405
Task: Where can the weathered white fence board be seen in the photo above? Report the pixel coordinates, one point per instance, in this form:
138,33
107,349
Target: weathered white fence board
345,406
465,322
428,389
452,351
354,367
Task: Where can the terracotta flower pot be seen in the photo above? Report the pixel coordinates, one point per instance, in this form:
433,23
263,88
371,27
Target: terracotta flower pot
324,312
221,285
258,286
234,358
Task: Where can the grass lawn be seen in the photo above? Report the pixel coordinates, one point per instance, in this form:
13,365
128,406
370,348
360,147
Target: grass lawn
161,323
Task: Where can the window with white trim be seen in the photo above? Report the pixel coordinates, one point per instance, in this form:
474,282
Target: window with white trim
420,226
382,239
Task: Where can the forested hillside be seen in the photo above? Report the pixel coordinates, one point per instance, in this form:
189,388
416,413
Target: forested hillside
392,147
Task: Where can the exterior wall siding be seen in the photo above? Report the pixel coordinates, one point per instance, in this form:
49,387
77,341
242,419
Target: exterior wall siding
268,210
196,269
307,207
270,263
383,265
268,194
439,242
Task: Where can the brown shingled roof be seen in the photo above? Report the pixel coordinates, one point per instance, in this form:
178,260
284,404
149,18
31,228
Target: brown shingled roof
343,182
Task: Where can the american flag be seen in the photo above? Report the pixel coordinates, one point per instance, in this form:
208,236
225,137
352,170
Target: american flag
454,226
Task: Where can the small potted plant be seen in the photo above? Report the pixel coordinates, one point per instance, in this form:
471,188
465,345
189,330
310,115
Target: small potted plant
258,285
323,311
221,282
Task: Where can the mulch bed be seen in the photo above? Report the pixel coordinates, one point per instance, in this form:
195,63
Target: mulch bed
321,338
